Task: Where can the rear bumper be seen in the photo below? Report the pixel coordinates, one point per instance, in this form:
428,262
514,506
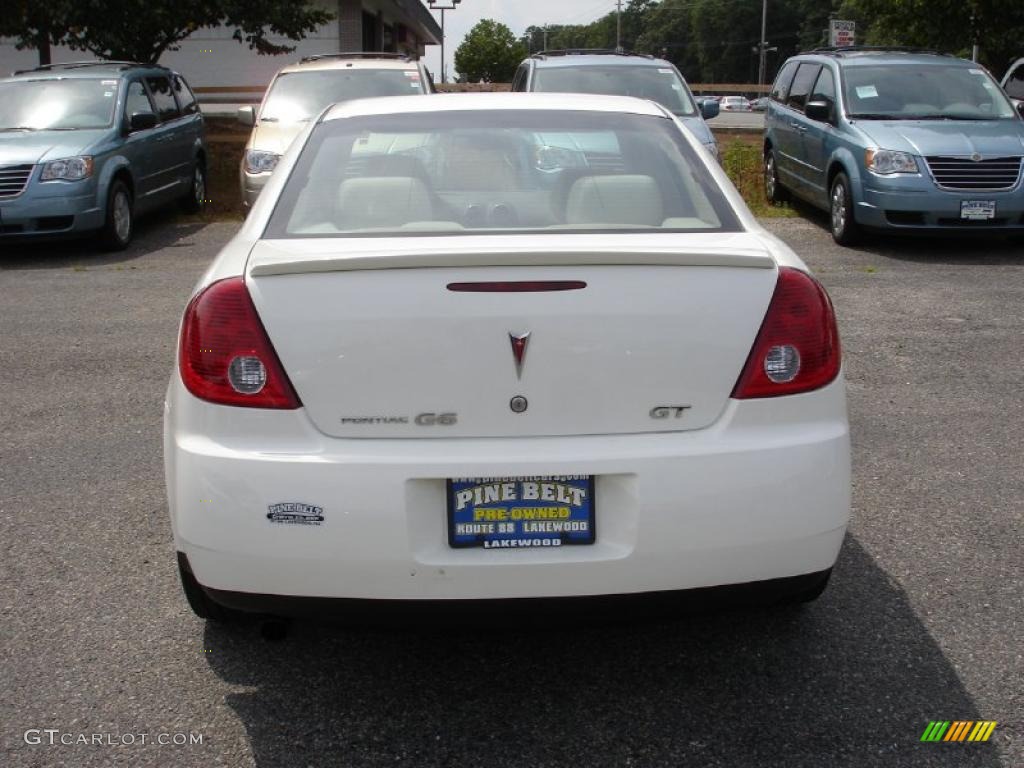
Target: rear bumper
764,494
550,610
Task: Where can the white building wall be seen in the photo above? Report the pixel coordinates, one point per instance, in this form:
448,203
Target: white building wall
211,58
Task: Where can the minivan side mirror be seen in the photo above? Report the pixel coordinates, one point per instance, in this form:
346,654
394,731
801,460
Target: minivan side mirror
141,121
709,108
247,115
1020,108
819,110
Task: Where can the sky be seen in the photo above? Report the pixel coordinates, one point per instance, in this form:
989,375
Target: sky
516,14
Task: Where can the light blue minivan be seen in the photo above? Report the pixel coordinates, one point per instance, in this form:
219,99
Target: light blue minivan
895,140
85,146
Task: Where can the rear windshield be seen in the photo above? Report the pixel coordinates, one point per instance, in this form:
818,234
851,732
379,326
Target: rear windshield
299,96
486,171
57,105
931,92
660,84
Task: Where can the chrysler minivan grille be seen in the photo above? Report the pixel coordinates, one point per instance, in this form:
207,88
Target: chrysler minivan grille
963,173
13,179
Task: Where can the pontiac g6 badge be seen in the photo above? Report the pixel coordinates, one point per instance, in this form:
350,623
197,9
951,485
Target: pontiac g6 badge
519,350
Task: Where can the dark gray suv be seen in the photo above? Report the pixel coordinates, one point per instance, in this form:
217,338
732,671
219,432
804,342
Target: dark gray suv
86,146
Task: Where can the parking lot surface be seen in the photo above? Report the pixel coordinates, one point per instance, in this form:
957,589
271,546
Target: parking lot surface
923,620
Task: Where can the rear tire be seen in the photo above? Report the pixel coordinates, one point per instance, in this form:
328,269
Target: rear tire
200,603
195,199
119,223
774,192
845,230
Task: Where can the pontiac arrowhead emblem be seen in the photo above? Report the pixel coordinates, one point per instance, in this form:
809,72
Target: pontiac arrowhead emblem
519,350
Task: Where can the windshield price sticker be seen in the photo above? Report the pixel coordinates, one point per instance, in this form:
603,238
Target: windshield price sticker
521,512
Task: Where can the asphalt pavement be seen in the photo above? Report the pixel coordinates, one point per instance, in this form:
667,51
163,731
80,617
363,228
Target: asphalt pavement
923,620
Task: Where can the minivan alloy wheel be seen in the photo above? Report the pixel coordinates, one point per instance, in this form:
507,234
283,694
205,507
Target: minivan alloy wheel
195,198
838,209
845,230
122,215
774,192
198,186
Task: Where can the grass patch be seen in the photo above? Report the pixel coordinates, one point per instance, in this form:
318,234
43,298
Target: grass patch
743,163
225,138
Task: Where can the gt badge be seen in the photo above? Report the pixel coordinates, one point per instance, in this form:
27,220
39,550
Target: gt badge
665,411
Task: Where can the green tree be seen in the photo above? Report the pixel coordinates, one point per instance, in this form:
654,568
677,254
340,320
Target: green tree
142,30
34,24
490,52
950,26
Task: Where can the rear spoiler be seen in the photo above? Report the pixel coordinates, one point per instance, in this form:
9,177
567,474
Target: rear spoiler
271,259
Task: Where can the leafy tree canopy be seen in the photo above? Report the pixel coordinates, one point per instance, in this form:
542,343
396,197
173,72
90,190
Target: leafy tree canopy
490,52
948,26
142,30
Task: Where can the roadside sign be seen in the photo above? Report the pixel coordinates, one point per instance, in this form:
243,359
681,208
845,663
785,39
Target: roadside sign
841,33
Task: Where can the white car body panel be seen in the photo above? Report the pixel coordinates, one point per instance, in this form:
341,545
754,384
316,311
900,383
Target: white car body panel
751,490
762,494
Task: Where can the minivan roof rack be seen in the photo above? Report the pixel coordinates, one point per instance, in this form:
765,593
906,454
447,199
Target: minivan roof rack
90,63
357,55
839,50
588,52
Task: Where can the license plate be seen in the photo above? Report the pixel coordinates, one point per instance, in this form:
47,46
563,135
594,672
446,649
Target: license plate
977,210
521,512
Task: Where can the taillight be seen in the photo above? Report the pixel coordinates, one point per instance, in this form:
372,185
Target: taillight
797,348
225,356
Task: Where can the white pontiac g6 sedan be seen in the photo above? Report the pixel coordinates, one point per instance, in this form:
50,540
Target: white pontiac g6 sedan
501,346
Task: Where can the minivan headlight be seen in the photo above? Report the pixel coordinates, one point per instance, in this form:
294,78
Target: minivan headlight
258,161
887,161
69,169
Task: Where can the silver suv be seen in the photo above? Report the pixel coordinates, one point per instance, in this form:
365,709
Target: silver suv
299,92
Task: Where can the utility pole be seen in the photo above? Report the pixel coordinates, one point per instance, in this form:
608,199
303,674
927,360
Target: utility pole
618,26
545,38
442,9
974,31
763,45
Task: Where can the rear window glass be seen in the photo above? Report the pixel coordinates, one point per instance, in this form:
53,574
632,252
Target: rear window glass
186,100
1015,82
300,96
163,99
781,87
805,77
660,84
514,171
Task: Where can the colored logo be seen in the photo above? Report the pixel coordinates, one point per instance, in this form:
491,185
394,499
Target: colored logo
958,730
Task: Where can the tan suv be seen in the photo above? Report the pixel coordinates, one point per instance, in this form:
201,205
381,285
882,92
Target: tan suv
300,91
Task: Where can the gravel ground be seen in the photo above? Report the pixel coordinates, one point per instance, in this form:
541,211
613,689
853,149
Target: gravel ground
922,621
